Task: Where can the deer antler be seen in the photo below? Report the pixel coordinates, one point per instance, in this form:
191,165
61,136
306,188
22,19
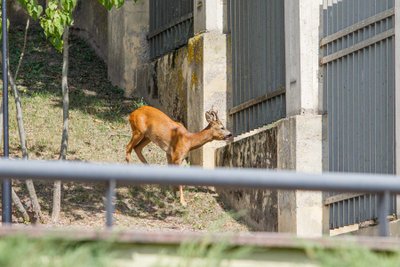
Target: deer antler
212,115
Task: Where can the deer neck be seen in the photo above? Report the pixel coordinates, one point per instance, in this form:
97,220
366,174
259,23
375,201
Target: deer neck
200,138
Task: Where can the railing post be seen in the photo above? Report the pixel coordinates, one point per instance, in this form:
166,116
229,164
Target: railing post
383,212
6,186
397,92
110,203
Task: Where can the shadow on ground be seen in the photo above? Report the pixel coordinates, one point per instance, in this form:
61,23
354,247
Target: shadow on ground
40,73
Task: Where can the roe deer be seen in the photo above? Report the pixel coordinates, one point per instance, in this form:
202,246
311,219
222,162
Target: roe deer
152,125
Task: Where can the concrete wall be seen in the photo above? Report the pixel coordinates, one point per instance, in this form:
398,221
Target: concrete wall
295,143
258,208
128,52
91,23
16,14
209,92
170,79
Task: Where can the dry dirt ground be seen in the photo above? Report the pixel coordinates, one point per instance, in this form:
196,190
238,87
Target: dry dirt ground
98,132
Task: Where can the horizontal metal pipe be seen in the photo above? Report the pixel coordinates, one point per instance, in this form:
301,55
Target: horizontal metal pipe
242,178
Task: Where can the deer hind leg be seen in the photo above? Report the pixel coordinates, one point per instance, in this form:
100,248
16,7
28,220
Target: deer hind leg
138,149
136,138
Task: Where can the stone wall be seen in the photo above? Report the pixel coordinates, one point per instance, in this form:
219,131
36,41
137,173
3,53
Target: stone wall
259,150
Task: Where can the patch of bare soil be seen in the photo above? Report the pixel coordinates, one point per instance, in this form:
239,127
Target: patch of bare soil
148,208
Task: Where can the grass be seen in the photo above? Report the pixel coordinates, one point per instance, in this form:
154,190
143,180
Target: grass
354,257
99,132
20,251
45,252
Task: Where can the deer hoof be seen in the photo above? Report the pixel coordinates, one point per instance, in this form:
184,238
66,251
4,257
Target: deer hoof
183,203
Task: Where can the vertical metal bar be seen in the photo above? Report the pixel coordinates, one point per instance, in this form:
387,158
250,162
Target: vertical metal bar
383,204
397,85
6,188
331,216
110,202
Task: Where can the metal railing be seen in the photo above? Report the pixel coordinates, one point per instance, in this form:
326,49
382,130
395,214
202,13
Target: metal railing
114,174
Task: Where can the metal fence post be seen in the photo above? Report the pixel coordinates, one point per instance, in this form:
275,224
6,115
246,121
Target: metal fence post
6,187
383,212
110,202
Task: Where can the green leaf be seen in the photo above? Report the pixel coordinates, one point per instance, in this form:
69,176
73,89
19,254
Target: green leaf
58,15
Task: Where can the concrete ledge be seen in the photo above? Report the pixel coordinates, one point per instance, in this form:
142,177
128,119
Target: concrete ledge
257,239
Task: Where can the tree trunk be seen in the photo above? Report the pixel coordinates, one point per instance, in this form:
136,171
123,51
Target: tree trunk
21,128
23,49
64,140
22,138
19,205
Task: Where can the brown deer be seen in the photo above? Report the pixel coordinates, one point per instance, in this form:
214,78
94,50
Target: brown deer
151,125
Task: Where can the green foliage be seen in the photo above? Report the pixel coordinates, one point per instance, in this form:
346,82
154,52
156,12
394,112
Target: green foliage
109,4
32,7
20,251
353,257
139,103
205,253
58,15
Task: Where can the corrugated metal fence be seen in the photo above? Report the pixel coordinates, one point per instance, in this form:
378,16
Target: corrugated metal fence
358,64
258,58
171,25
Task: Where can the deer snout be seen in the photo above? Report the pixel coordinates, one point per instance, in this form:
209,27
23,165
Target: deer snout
228,136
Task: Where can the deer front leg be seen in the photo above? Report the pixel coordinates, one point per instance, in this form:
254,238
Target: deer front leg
173,160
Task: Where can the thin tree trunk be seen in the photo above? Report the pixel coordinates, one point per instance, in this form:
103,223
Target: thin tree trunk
21,128
22,138
64,140
23,49
19,205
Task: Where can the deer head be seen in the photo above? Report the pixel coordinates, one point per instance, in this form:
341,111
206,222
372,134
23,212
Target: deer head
218,130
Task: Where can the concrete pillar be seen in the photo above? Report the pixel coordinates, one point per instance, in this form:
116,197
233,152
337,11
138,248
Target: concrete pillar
208,15
301,212
302,22
212,79
128,46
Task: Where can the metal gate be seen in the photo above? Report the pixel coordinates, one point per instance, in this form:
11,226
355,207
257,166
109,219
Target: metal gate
358,68
258,63
171,25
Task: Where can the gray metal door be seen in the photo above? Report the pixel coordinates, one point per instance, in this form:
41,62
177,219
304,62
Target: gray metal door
258,63
358,69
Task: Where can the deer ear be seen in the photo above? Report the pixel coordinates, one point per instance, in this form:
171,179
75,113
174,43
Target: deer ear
209,116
